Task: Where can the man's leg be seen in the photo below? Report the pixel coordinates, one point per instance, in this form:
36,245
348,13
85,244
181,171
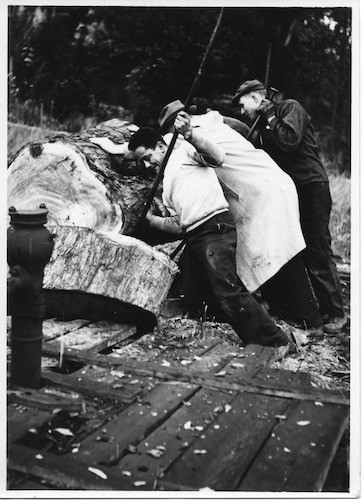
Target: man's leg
318,255
291,292
213,247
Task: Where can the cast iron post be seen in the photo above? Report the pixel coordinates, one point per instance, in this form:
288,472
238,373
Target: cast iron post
30,247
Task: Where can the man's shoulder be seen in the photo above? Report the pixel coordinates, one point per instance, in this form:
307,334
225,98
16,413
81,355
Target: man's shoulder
288,104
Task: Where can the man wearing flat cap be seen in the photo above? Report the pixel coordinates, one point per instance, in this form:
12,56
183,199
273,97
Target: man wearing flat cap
286,133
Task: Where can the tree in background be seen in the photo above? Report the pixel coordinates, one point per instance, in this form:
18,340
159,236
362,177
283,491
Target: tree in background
72,58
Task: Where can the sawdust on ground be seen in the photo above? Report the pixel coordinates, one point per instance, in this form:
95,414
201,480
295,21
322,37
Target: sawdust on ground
179,341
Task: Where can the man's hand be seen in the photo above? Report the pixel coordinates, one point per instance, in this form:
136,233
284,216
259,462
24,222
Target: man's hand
183,125
113,148
265,110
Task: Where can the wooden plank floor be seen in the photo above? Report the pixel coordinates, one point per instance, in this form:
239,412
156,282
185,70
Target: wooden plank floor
220,418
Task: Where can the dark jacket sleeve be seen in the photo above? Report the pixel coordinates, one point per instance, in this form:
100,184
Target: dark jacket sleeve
288,125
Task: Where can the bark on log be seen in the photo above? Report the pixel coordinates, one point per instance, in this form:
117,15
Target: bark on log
97,271
104,275
80,184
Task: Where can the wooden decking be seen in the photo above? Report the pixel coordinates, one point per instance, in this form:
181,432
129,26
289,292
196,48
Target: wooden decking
211,416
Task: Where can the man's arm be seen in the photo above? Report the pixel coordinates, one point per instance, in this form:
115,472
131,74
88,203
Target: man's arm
210,153
113,148
286,126
168,224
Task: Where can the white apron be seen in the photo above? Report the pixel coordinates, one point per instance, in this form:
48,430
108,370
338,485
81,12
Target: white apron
263,201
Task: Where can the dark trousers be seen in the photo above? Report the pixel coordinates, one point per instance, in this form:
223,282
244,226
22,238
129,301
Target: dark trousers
315,207
289,294
210,261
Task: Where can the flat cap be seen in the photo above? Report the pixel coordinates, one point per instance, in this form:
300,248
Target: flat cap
169,112
245,88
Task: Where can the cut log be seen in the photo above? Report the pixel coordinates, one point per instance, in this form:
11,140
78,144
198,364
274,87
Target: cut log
80,184
97,270
103,275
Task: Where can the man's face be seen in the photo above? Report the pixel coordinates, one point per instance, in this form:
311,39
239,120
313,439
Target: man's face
154,156
249,103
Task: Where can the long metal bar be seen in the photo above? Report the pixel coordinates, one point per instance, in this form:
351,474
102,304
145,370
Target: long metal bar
267,68
187,103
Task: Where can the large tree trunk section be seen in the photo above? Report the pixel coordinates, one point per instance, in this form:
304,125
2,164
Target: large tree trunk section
97,270
80,184
103,275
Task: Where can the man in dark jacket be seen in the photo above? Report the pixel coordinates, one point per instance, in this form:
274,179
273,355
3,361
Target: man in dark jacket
286,133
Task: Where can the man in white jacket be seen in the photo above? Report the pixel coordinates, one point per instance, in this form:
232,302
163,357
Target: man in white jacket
195,200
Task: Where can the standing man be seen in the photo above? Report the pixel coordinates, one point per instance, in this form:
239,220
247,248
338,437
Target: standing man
286,133
195,200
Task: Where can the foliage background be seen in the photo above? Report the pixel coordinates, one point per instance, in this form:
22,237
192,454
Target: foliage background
69,66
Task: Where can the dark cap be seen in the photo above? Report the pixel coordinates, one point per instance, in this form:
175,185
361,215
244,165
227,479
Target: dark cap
245,88
169,112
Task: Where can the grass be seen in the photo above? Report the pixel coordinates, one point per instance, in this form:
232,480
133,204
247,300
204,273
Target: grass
340,215
19,135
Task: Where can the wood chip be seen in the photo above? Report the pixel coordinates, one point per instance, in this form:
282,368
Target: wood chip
98,472
139,483
155,453
64,432
237,365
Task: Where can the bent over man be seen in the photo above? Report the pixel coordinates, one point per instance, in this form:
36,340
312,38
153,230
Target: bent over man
286,133
194,198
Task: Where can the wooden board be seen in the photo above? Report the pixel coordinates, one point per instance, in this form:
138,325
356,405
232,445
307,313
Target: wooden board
21,419
136,422
230,445
272,377
250,361
53,327
189,424
64,471
224,419
228,449
95,337
45,399
99,382
159,371
299,452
